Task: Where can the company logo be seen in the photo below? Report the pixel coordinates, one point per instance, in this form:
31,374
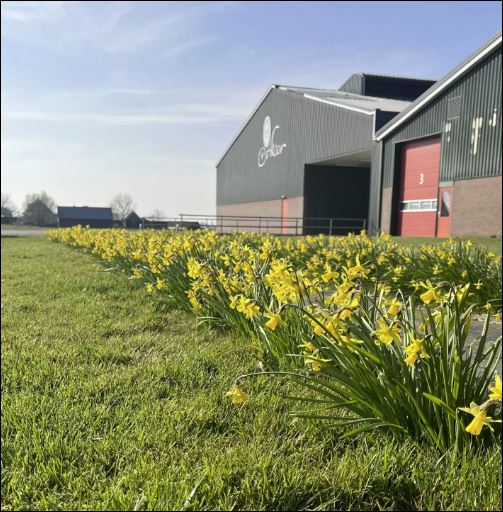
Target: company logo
269,149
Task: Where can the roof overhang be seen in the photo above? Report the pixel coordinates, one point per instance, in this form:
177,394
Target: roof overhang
341,105
436,89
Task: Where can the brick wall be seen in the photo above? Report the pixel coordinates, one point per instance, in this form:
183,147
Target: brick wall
386,210
262,209
476,208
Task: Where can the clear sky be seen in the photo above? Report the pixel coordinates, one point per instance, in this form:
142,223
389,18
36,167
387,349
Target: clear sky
144,97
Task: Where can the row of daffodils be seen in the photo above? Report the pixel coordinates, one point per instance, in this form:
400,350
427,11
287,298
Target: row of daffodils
375,334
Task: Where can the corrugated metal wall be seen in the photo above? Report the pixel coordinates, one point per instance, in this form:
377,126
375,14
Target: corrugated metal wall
354,84
311,130
375,187
480,92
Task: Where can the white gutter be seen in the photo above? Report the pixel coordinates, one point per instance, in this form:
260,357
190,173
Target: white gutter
440,88
341,105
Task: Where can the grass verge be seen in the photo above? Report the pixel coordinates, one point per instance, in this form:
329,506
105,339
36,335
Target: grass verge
112,401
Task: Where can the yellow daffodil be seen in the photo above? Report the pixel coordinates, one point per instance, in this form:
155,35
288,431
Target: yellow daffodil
234,301
150,287
430,295
415,350
273,322
496,389
160,284
316,363
238,395
478,285
394,307
480,419
329,276
387,333
308,345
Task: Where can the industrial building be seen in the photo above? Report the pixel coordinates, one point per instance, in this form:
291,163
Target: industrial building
410,157
69,216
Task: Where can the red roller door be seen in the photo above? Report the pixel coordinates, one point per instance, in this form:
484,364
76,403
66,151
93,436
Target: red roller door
420,167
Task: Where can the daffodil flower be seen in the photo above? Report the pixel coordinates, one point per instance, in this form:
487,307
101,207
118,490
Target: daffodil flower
496,389
387,333
394,307
238,395
480,419
415,350
273,322
430,295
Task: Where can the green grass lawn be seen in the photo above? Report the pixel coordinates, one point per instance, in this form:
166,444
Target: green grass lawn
112,401
492,244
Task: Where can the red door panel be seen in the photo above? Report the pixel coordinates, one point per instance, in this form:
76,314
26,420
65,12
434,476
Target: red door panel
284,215
420,167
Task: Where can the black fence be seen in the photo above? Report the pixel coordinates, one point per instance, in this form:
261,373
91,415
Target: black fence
290,226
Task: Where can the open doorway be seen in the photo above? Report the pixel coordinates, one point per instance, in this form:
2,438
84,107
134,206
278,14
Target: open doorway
339,192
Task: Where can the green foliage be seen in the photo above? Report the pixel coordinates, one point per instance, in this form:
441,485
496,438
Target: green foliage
110,402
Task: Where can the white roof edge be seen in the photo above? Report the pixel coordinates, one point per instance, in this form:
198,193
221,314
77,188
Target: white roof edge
335,104
414,108
248,119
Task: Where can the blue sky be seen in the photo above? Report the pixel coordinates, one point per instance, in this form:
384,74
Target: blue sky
144,97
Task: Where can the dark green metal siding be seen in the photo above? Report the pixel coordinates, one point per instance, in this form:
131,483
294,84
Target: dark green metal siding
375,187
312,130
382,86
480,90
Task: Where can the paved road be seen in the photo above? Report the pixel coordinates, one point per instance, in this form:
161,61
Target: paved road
23,232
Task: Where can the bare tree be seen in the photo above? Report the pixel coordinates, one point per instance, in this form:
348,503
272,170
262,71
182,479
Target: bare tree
8,208
6,201
157,215
39,209
122,205
43,197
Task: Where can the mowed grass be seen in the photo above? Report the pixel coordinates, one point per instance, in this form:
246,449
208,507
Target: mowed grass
491,244
112,401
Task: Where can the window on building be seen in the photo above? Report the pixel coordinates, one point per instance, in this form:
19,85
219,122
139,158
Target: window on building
445,209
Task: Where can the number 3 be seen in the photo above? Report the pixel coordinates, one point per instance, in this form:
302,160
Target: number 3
421,178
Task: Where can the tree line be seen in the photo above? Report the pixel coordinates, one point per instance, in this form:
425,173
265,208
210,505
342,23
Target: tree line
39,209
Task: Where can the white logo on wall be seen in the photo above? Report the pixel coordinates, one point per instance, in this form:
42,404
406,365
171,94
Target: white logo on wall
269,149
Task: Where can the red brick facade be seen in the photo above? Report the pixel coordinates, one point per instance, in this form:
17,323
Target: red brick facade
476,209
263,209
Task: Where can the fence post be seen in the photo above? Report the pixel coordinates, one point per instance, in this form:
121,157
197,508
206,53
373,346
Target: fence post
181,220
260,224
330,227
296,227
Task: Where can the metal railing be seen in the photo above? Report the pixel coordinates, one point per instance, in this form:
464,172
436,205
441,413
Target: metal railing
291,226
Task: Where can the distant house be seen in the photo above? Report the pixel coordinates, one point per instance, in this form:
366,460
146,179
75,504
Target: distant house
85,216
38,213
7,217
133,220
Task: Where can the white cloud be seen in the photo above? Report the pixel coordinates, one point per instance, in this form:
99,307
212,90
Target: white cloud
26,12
175,114
180,48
